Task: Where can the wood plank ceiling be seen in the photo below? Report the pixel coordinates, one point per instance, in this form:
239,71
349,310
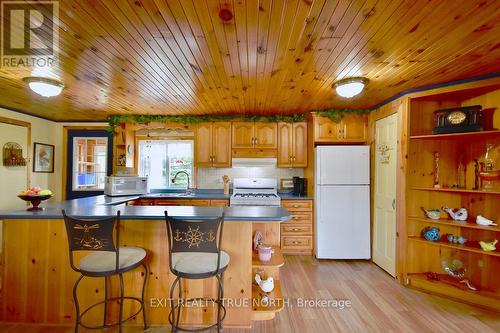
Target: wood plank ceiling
273,56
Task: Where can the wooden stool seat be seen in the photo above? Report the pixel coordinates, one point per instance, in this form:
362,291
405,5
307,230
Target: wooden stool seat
105,262
194,263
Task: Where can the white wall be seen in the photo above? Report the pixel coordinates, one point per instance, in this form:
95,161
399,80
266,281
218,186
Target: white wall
42,131
211,178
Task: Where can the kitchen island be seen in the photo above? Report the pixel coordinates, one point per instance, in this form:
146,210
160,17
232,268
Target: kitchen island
37,280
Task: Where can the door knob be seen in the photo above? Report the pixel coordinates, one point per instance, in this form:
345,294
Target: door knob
394,203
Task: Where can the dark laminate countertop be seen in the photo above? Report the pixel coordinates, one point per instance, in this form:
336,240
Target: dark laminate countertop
212,194
101,206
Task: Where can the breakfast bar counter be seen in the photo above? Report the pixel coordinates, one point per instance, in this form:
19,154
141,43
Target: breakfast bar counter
37,279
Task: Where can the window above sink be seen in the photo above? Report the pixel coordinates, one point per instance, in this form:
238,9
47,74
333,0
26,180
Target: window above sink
160,160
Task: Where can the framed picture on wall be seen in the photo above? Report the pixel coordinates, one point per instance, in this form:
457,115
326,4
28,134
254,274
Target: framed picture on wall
43,157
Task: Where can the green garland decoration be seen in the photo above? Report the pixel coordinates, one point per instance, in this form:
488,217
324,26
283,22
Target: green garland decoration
333,114
336,115
143,119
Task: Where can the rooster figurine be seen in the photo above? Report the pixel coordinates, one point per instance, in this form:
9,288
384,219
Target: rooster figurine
459,215
265,285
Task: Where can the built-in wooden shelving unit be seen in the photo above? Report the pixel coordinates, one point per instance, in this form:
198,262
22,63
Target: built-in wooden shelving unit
453,223
453,190
465,247
422,256
448,287
276,301
467,135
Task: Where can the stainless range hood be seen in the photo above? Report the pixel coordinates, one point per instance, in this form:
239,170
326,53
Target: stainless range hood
254,162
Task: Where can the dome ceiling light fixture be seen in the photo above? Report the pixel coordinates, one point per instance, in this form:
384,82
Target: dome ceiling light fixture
350,87
43,86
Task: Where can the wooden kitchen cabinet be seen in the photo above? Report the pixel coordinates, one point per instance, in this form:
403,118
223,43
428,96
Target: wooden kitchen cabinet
292,145
243,135
297,233
351,129
212,148
254,135
354,128
265,135
203,145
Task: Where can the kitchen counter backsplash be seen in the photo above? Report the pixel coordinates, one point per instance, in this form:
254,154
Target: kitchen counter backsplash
211,178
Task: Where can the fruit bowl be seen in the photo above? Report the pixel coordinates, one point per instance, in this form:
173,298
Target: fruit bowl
35,200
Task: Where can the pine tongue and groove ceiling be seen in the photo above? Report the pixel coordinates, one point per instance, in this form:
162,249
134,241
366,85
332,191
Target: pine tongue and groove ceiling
273,57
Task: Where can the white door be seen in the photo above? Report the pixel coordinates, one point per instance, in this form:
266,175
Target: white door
384,221
343,222
343,165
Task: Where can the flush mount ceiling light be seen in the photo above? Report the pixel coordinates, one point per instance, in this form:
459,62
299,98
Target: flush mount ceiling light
350,87
44,86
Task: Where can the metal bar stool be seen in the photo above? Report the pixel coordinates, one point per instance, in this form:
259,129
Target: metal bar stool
195,253
108,259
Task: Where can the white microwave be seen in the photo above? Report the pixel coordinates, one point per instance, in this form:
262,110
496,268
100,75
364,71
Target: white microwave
116,186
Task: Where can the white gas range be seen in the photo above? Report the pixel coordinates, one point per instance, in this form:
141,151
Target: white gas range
255,192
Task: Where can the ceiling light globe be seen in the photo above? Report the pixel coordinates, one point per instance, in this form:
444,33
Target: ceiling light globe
44,86
350,87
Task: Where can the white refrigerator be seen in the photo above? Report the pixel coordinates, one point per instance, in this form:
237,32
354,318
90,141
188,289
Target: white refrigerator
342,201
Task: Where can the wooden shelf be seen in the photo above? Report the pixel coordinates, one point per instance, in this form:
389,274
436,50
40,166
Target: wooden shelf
450,288
452,223
467,135
276,303
456,246
453,190
277,259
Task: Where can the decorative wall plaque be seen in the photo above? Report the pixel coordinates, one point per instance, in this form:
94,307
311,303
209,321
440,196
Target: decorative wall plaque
13,155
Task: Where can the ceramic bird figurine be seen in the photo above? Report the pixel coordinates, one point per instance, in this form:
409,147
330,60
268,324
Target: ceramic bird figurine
488,246
265,285
434,214
481,220
459,215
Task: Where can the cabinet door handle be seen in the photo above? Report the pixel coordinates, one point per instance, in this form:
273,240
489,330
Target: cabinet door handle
256,140
296,206
344,132
296,218
296,229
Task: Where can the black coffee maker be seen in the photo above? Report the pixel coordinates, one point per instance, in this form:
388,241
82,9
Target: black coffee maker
299,186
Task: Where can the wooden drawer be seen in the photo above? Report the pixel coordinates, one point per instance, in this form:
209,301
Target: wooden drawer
199,202
219,203
302,217
296,242
300,229
181,202
141,202
297,205
171,202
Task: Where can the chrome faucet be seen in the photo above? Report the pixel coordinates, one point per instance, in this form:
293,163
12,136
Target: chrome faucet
188,189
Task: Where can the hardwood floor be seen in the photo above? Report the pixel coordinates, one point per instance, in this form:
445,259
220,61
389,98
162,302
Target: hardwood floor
379,304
